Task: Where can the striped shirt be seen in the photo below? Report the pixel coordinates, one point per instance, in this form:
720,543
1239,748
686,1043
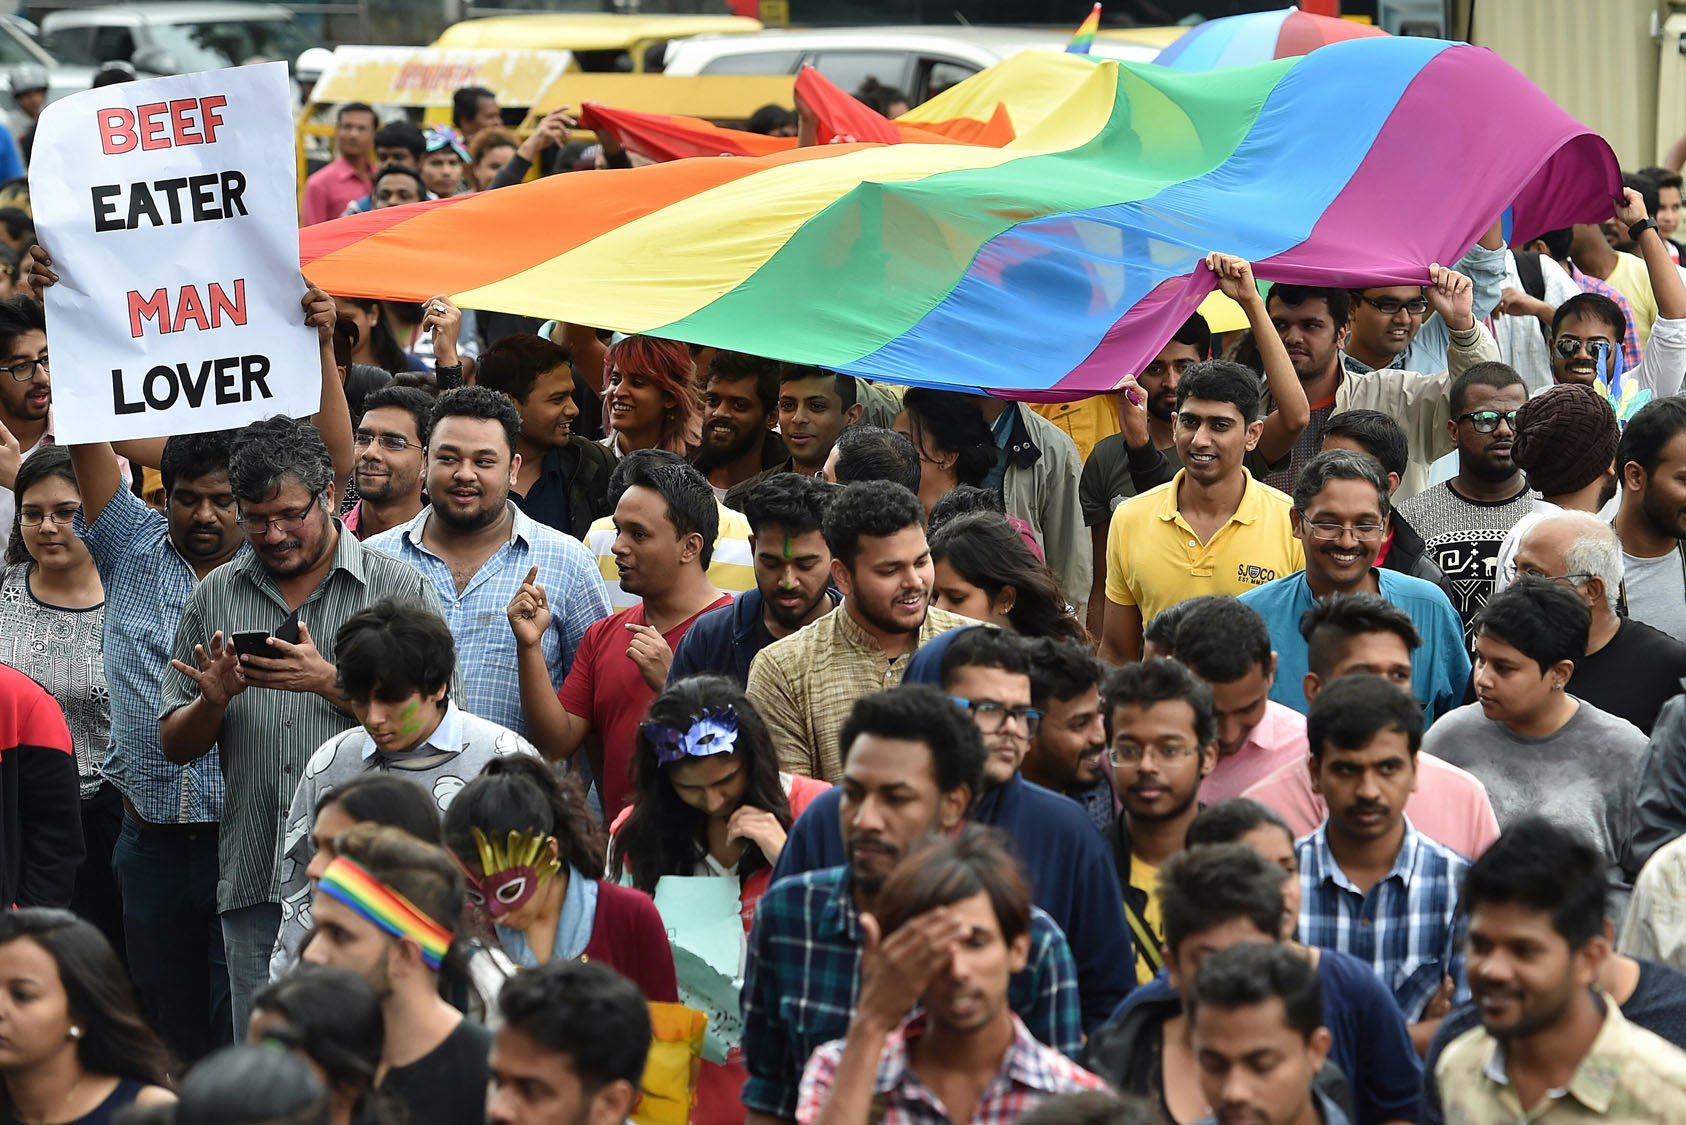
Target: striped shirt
1408,928
485,642
147,583
803,972
805,684
731,569
267,734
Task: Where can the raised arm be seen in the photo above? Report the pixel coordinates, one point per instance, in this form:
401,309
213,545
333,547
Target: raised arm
556,731
1665,278
333,416
1283,425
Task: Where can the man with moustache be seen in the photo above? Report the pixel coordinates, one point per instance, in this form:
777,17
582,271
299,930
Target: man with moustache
912,763
1067,752
477,548
740,409
792,580
1464,520
391,444
804,684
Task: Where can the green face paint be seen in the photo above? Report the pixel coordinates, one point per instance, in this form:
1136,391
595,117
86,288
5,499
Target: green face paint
410,719
789,548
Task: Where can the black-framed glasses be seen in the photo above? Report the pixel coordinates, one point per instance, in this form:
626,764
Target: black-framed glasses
1132,755
64,517
24,370
1570,346
1487,421
1363,532
286,525
1511,574
991,716
1390,306
392,443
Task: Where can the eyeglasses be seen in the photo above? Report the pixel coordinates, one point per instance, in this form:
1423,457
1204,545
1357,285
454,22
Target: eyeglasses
1363,532
1569,346
24,370
1511,574
64,517
1487,421
392,443
1390,306
992,716
286,525
1128,755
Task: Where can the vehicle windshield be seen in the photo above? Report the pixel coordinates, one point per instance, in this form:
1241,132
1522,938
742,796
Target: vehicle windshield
211,44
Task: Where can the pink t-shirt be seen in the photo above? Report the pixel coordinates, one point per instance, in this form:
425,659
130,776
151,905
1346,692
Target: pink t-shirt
1450,805
1278,740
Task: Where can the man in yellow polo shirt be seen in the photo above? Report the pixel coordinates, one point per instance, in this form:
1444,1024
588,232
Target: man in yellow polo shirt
1212,529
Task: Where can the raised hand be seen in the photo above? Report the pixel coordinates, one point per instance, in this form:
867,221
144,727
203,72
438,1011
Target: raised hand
529,611
216,669
1235,277
896,971
1452,295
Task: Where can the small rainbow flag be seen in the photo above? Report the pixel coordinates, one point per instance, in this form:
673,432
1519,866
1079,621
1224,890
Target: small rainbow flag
1084,39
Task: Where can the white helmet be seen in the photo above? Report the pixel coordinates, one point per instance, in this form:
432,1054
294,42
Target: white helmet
312,63
28,77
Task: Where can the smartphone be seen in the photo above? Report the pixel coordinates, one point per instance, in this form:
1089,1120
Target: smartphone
288,630
251,644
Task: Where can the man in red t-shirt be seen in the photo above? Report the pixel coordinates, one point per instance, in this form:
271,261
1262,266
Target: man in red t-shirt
665,523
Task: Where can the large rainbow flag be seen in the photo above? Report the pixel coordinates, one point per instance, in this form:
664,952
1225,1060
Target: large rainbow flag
1043,269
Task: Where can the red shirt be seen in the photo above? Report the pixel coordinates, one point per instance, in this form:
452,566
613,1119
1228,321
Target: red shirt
628,936
605,686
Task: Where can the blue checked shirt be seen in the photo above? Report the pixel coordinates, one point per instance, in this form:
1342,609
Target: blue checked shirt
803,970
485,645
1408,928
146,584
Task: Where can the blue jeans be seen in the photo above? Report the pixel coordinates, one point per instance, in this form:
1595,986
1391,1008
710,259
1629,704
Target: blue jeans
168,877
248,938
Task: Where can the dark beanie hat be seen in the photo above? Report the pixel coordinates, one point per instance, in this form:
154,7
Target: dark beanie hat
1565,439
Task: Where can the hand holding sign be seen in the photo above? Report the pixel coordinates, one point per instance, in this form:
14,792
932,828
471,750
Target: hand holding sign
172,210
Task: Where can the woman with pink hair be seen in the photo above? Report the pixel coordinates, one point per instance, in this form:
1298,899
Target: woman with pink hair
650,397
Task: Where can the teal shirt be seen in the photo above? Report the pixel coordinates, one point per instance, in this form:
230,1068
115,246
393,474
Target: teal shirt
1439,666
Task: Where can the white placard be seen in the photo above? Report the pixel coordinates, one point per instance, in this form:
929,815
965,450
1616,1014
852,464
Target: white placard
170,209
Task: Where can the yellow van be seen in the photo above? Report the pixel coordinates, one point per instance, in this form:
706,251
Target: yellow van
601,42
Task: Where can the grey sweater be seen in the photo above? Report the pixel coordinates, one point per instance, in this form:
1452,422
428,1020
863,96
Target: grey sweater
1582,777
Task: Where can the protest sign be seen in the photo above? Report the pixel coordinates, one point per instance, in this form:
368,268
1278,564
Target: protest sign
169,208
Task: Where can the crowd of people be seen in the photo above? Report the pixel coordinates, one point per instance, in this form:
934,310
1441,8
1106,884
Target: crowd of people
1337,774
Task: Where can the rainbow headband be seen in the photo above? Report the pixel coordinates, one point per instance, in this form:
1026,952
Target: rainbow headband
349,882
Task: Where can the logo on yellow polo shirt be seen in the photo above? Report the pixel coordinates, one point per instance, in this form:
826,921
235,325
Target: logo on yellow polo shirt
1254,575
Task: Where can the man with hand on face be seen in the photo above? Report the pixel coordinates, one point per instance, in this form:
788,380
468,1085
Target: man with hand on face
792,579
478,549
1161,741
1340,514
1068,752
740,409
563,479
1551,1045
388,908
391,444
572,1047
665,521
946,934
1371,884
912,764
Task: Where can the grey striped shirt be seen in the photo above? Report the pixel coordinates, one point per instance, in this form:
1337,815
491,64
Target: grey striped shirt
267,734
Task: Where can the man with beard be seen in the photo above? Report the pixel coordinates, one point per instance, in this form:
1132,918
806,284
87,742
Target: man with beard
477,549
1371,884
912,764
792,580
804,684
563,479
950,927
1340,514
1068,749
1313,326
391,444
1550,1043
740,409
26,392
1464,520
1161,741
1651,467
665,520
266,713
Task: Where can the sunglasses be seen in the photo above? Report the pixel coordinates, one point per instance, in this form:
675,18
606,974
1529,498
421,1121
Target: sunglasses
1570,346
1487,421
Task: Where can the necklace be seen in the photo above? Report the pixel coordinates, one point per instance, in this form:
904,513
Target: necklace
68,1094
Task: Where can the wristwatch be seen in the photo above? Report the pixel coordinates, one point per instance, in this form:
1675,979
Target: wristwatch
1640,228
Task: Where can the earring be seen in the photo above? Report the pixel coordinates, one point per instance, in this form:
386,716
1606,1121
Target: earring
1556,687
75,1031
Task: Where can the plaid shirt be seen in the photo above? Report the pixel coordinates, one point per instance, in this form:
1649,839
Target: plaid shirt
146,585
803,971
1407,928
1029,1075
1630,343
485,643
